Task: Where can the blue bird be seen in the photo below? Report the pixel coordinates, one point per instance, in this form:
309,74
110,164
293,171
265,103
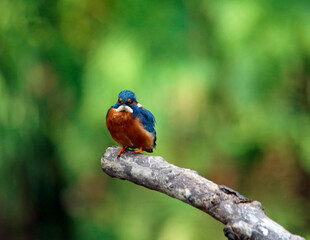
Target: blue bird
131,125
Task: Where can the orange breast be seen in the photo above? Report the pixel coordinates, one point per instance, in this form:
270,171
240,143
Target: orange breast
129,131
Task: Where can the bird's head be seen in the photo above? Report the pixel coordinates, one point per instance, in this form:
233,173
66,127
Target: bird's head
126,97
127,102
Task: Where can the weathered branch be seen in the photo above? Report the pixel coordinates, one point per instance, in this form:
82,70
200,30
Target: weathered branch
244,219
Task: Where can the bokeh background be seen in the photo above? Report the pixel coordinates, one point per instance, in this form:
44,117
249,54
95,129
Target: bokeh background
228,82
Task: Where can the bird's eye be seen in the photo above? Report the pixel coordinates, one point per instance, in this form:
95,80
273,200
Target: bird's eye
119,100
129,100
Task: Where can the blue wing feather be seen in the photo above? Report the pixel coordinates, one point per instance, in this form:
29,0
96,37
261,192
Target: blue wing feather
147,119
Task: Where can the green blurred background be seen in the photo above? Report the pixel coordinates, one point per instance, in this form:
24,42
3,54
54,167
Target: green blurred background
228,82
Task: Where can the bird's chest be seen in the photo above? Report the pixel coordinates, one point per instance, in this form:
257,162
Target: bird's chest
119,121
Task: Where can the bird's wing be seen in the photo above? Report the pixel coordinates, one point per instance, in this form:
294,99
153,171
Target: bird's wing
147,119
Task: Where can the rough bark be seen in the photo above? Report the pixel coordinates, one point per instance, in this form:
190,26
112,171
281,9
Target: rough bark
244,218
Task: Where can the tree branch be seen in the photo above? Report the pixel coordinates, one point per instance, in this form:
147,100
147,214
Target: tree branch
244,219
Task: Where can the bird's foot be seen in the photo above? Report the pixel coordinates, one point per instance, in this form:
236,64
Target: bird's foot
121,151
139,150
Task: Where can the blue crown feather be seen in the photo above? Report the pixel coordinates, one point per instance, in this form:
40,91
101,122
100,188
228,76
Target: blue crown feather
126,94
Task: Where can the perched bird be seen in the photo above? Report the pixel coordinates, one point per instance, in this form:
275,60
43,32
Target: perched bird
131,125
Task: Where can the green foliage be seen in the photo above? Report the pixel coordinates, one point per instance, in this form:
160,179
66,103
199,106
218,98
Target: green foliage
228,83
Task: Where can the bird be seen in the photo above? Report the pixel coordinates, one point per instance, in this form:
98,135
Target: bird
130,124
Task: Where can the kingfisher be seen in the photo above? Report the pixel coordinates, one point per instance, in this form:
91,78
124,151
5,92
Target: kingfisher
130,124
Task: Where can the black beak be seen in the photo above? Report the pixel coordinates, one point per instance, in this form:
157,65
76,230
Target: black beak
121,102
